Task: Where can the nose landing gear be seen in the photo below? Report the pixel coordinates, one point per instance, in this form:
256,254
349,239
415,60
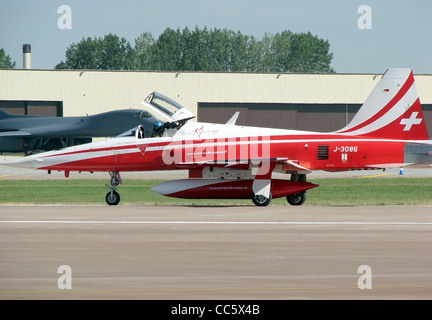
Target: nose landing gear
112,198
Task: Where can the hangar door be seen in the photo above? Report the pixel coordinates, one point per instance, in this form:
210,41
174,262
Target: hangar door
34,108
309,117
427,114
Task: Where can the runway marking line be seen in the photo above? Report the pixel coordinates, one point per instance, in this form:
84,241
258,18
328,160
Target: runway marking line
374,176
213,289
214,222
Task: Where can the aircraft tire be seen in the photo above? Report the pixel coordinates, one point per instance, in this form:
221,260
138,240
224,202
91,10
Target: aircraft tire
296,199
112,199
261,201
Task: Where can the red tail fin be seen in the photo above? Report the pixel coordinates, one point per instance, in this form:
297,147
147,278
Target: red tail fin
393,110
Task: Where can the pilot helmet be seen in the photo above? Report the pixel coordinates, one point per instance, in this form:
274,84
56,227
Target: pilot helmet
158,125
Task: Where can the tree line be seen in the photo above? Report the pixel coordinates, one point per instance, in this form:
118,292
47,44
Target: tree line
203,50
5,60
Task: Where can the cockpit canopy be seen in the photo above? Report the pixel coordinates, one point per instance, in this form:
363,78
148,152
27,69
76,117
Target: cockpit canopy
167,108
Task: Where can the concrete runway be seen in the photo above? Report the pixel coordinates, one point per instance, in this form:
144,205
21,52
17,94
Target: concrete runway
245,252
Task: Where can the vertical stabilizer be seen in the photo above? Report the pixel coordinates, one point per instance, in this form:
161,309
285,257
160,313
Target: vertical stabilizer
392,111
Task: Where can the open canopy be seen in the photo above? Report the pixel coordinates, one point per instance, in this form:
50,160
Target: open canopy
167,108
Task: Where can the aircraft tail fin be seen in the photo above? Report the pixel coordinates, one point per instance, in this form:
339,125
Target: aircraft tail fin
4,114
392,111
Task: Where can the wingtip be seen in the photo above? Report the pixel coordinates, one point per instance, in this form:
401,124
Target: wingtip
18,162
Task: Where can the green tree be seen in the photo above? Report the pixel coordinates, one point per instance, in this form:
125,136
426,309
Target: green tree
145,51
196,55
226,50
168,51
107,53
5,60
117,54
309,54
280,46
264,55
239,52
203,50
218,56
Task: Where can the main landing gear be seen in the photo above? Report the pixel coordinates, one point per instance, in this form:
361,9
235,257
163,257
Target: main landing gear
112,198
261,200
297,199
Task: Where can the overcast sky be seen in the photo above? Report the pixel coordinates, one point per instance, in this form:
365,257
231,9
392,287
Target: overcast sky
400,34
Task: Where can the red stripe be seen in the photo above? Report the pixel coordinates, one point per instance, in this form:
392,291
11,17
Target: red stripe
407,85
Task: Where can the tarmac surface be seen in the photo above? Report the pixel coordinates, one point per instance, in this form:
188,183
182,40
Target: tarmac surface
215,252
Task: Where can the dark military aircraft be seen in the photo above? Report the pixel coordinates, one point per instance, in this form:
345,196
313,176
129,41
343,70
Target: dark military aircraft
29,134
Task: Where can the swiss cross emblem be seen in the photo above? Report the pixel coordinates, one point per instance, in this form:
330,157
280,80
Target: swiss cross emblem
412,120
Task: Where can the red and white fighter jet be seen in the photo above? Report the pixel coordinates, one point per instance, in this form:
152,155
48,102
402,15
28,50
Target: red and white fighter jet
231,161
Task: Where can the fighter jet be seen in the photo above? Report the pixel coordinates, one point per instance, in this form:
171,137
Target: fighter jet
228,161
30,134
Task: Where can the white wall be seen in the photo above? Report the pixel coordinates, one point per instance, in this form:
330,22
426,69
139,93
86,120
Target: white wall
91,92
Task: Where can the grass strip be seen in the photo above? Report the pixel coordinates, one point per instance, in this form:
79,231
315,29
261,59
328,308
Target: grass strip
333,191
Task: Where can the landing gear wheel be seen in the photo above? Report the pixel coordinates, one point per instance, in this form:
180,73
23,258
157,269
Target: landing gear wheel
260,200
296,199
112,198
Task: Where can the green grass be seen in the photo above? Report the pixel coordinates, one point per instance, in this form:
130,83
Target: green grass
344,191
372,191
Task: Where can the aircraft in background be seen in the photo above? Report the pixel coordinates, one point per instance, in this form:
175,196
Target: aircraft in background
230,161
22,133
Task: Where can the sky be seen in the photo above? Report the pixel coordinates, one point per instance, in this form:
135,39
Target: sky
388,33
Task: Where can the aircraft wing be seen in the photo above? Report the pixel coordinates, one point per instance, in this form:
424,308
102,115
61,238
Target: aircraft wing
17,133
294,165
287,165
46,131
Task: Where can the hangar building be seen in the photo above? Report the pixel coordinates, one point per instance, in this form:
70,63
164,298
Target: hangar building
316,102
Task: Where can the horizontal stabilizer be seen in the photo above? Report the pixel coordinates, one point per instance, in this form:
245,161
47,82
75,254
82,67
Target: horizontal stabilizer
386,165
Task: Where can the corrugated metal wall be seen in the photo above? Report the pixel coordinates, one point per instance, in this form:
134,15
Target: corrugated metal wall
90,92
308,117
